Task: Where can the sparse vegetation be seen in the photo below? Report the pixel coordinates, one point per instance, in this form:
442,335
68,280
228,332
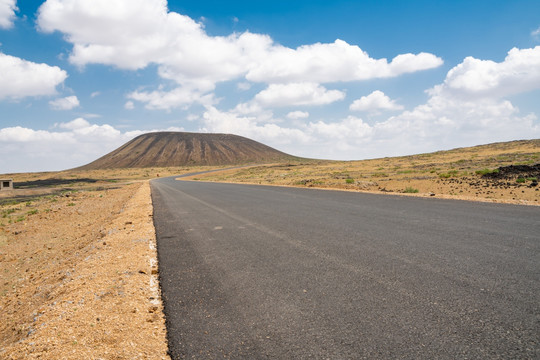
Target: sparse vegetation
486,171
459,172
410,190
449,174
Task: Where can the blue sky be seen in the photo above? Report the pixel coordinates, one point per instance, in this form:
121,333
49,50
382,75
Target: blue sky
324,79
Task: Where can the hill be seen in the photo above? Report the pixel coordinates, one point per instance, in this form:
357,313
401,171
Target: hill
502,172
164,149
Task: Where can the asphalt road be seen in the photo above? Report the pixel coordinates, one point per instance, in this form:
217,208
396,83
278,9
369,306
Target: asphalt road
260,272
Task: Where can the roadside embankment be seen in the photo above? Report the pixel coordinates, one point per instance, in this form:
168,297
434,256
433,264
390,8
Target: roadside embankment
79,277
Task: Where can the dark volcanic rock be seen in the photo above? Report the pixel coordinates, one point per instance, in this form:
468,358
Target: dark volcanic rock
163,149
515,171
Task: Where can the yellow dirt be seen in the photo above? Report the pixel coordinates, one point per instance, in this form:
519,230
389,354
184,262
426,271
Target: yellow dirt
445,174
79,277
78,269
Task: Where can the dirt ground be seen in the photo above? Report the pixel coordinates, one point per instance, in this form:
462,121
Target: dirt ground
502,172
79,277
78,268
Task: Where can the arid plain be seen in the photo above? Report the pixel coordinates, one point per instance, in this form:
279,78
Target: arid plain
502,172
77,253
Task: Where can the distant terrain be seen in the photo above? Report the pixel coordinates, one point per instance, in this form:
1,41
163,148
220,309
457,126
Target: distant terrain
56,226
164,149
499,172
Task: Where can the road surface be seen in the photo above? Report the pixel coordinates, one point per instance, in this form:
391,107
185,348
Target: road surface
260,272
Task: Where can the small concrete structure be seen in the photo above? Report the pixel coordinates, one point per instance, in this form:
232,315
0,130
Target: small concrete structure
6,184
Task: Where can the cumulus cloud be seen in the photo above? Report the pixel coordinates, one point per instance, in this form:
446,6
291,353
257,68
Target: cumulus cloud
377,100
167,100
441,123
66,103
519,72
339,140
7,13
337,61
295,115
231,122
78,123
298,94
350,128
42,150
469,107
447,120
131,34
67,145
129,105
20,78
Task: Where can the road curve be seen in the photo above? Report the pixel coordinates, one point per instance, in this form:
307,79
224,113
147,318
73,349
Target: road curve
260,272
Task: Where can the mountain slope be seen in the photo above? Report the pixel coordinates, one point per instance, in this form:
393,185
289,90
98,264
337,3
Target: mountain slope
163,149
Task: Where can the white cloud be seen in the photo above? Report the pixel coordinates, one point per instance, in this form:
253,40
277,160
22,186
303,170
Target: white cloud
68,145
349,128
341,139
20,78
95,93
243,86
536,34
129,105
377,100
79,123
40,150
7,13
131,34
217,121
519,72
469,108
444,123
295,115
66,103
297,94
337,61
447,120
167,100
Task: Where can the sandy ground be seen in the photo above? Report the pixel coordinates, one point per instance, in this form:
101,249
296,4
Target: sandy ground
78,269
455,174
79,277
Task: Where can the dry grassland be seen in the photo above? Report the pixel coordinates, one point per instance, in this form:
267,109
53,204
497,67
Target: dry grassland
78,267
455,174
77,257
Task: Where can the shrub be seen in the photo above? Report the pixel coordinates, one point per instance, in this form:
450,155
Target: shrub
349,181
410,190
449,174
486,171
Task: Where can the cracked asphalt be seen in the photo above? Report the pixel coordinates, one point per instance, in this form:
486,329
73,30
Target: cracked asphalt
254,272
